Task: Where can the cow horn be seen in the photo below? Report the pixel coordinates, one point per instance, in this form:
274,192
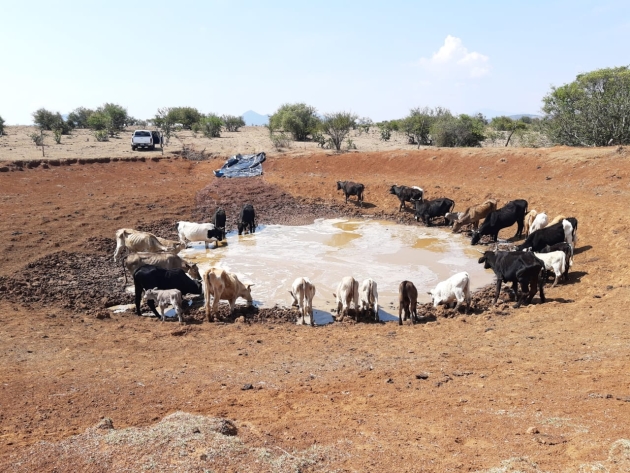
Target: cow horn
482,252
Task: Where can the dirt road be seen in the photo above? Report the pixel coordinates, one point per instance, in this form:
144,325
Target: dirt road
544,387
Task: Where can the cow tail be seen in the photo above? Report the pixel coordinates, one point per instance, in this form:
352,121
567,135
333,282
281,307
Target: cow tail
452,206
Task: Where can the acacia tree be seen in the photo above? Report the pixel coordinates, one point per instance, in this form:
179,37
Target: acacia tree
417,125
232,122
592,110
464,130
298,119
79,117
337,126
504,123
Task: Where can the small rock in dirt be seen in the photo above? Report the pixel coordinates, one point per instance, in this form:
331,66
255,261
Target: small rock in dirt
422,376
533,430
389,380
227,427
105,423
196,430
203,457
247,387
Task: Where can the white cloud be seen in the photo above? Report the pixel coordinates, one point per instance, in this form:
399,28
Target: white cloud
454,58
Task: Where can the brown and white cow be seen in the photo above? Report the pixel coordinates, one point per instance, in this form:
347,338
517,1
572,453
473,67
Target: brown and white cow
474,213
225,286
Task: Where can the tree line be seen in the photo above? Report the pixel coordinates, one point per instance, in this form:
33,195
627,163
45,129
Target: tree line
593,110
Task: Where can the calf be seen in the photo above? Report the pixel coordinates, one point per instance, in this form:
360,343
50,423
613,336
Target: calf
472,215
454,289
347,292
222,285
161,260
352,188
369,297
247,219
152,277
554,261
164,298
516,267
513,212
303,292
406,194
545,236
452,217
539,222
407,302
206,232
568,252
219,219
432,209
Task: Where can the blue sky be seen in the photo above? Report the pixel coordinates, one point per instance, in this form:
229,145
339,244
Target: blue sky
377,59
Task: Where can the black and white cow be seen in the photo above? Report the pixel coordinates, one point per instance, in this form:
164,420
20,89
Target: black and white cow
247,219
517,267
152,277
547,236
513,212
429,209
406,194
352,188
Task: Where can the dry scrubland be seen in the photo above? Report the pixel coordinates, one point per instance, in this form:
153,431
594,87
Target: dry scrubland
17,144
541,389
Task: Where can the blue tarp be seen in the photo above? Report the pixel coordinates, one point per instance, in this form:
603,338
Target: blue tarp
242,166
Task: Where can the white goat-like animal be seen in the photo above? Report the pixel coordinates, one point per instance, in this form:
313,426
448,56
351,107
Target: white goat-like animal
347,292
368,295
303,292
568,233
136,241
539,222
555,261
454,289
165,297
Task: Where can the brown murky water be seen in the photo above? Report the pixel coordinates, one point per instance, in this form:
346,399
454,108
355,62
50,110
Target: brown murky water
328,250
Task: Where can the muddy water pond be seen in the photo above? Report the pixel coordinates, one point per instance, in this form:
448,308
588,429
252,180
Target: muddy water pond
328,250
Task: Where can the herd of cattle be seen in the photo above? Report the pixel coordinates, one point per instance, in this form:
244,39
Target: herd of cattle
164,277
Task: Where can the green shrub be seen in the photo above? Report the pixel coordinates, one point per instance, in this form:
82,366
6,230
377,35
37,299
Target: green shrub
37,137
78,118
211,125
57,136
298,119
319,139
386,131
337,126
1,126
232,122
184,116
350,144
364,124
281,140
450,131
50,121
101,135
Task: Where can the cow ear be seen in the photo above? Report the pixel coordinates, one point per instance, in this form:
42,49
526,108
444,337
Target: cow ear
482,259
430,293
250,285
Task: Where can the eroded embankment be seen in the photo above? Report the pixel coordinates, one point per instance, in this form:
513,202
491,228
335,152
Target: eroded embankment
89,282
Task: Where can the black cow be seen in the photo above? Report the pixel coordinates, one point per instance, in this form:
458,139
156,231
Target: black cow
352,188
513,212
407,302
150,277
218,220
406,194
247,219
517,267
546,236
568,252
432,209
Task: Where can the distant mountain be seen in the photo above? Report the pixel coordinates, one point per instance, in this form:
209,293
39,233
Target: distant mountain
253,118
519,116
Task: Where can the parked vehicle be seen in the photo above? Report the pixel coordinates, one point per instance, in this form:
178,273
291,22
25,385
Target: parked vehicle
145,139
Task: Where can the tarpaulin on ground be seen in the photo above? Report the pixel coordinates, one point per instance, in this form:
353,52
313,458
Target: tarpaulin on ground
242,166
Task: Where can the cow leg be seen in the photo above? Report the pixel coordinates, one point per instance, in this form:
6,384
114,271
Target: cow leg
524,291
498,290
519,229
541,285
340,313
151,304
400,308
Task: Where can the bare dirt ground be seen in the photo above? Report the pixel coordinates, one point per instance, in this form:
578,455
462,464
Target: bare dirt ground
541,388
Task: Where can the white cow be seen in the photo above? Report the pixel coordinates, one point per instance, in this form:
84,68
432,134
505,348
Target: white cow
223,286
454,289
555,261
347,292
303,292
206,232
136,241
369,297
540,221
165,297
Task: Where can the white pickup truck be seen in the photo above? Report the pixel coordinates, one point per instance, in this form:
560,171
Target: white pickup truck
145,139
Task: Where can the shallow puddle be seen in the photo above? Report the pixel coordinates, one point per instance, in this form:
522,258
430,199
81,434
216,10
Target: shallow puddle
328,250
